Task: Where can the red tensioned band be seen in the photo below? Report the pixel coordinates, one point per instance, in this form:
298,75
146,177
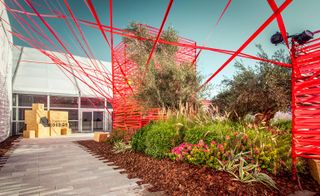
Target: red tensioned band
281,25
160,31
246,43
218,21
123,34
59,40
95,15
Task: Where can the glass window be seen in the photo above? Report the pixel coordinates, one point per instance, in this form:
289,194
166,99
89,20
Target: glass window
92,102
109,105
14,113
21,127
63,102
21,112
72,114
13,127
28,100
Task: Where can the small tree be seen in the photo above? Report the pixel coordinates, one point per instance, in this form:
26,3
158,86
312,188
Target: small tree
164,82
264,88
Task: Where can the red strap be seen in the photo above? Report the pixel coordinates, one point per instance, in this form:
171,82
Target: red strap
160,31
246,43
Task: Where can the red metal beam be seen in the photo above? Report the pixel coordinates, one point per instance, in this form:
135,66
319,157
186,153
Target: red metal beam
249,40
160,31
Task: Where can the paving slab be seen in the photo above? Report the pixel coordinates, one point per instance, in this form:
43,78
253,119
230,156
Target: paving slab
59,166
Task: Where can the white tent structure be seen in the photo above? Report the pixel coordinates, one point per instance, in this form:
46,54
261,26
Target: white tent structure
37,79
28,76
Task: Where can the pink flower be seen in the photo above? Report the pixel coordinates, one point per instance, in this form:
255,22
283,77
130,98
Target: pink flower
220,147
201,143
213,142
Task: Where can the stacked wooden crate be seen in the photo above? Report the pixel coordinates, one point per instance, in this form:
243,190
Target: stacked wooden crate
34,128
41,123
58,121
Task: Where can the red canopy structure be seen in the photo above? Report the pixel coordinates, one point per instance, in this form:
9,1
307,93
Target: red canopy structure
127,114
306,100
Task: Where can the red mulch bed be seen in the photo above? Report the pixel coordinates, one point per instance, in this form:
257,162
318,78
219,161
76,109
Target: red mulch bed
5,146
176,178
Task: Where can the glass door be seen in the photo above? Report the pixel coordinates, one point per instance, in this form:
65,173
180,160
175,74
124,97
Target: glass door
98,121
87,121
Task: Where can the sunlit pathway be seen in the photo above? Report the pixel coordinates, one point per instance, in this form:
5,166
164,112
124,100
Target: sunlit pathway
59,166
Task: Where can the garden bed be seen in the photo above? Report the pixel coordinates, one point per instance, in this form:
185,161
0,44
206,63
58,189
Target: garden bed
176,178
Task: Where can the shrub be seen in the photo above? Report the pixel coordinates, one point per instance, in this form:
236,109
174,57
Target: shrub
160,138
139,138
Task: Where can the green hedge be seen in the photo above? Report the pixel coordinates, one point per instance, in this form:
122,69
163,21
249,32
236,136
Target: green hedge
157,139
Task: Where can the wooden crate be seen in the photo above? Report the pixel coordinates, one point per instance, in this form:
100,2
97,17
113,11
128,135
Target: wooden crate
33,117
42,132
29,134
32,126
55,131
315,169
37,106
65,131
58,116
28,116
100,136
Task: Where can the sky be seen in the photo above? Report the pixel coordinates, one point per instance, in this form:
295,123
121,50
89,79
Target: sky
193,20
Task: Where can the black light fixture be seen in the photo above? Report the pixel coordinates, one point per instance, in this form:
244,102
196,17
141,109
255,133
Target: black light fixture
276,38
301,38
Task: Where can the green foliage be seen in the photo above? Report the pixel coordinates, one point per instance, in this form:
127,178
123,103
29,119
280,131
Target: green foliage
164,82
139,139
284,125
212,131
257,89
121,147
161,138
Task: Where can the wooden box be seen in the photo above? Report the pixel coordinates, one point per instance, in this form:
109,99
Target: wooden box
42,131
65,131
33,117
32,126
315,169
55,131
37,106
28,116
57,116
29,134
100,136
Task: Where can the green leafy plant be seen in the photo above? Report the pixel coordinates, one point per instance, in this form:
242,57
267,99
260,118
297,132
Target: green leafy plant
121,147
139,138
161,138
